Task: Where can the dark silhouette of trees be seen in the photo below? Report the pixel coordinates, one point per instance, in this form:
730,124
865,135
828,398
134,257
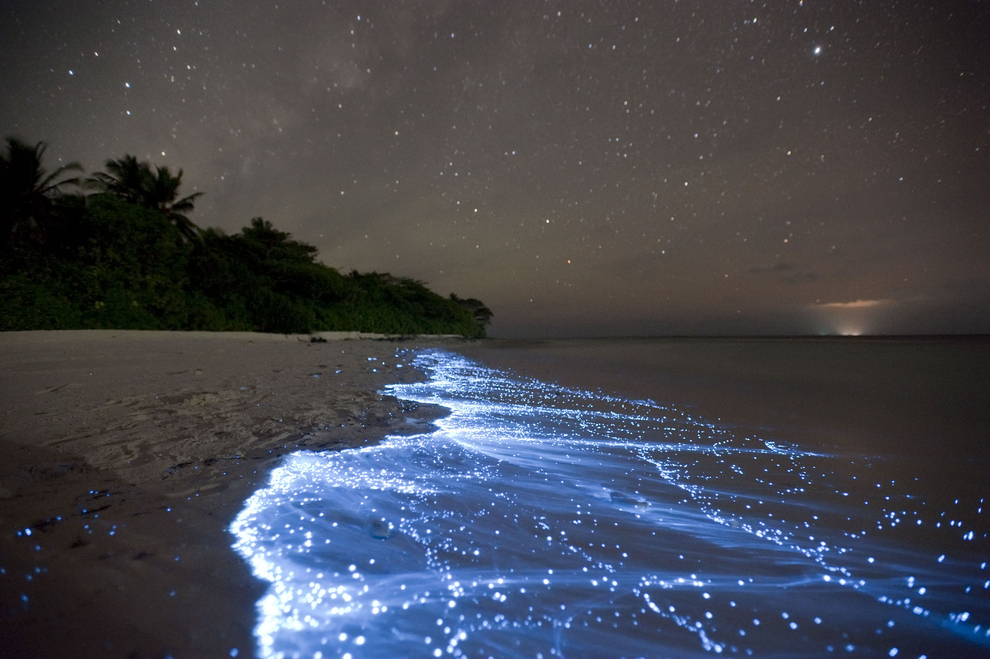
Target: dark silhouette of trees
125,178
128,257
158,189
28,195
163,198
270,244
482,314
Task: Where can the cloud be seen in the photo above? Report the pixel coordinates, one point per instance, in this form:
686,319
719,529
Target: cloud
799,278
856,304
787,273
776,267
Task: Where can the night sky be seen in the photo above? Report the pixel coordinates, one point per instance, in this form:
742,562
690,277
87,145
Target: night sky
584,168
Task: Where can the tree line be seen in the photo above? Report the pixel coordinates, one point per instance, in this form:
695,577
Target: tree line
117,250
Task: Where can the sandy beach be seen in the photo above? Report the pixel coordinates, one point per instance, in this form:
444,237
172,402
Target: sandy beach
126,454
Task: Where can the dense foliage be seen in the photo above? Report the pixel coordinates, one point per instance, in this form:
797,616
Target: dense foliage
127,257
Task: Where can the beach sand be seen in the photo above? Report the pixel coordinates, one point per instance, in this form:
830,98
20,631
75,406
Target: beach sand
125,455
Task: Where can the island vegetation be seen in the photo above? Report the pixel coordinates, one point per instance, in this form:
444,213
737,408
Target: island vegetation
117,250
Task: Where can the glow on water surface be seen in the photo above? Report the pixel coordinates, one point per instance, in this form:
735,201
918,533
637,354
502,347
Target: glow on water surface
541,521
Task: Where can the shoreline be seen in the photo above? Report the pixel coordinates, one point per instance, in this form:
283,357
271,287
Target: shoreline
126,455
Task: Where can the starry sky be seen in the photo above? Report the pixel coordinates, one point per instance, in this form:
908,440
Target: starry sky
584,168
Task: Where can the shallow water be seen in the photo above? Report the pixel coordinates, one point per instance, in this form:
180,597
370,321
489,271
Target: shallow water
540,520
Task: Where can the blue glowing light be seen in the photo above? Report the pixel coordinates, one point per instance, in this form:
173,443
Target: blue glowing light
543,521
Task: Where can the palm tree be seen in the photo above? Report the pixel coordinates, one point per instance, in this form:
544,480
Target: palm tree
27,193
163,193
125,178
135,182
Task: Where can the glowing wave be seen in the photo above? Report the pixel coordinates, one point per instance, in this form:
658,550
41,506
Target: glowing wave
540,521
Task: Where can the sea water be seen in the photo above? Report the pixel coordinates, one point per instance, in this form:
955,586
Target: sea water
540,520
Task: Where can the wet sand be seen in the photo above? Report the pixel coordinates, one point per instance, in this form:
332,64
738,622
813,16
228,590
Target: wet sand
124,456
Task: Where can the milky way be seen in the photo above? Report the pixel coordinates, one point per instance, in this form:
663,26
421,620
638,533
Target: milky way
583,168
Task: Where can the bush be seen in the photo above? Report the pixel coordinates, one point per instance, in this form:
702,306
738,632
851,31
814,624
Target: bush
107,263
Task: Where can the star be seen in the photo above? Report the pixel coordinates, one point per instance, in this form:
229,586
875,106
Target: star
682,110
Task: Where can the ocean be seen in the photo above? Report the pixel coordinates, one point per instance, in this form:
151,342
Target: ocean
646,498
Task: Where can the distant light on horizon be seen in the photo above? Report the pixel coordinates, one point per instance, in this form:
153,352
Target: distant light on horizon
857,304
625,138
851,318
